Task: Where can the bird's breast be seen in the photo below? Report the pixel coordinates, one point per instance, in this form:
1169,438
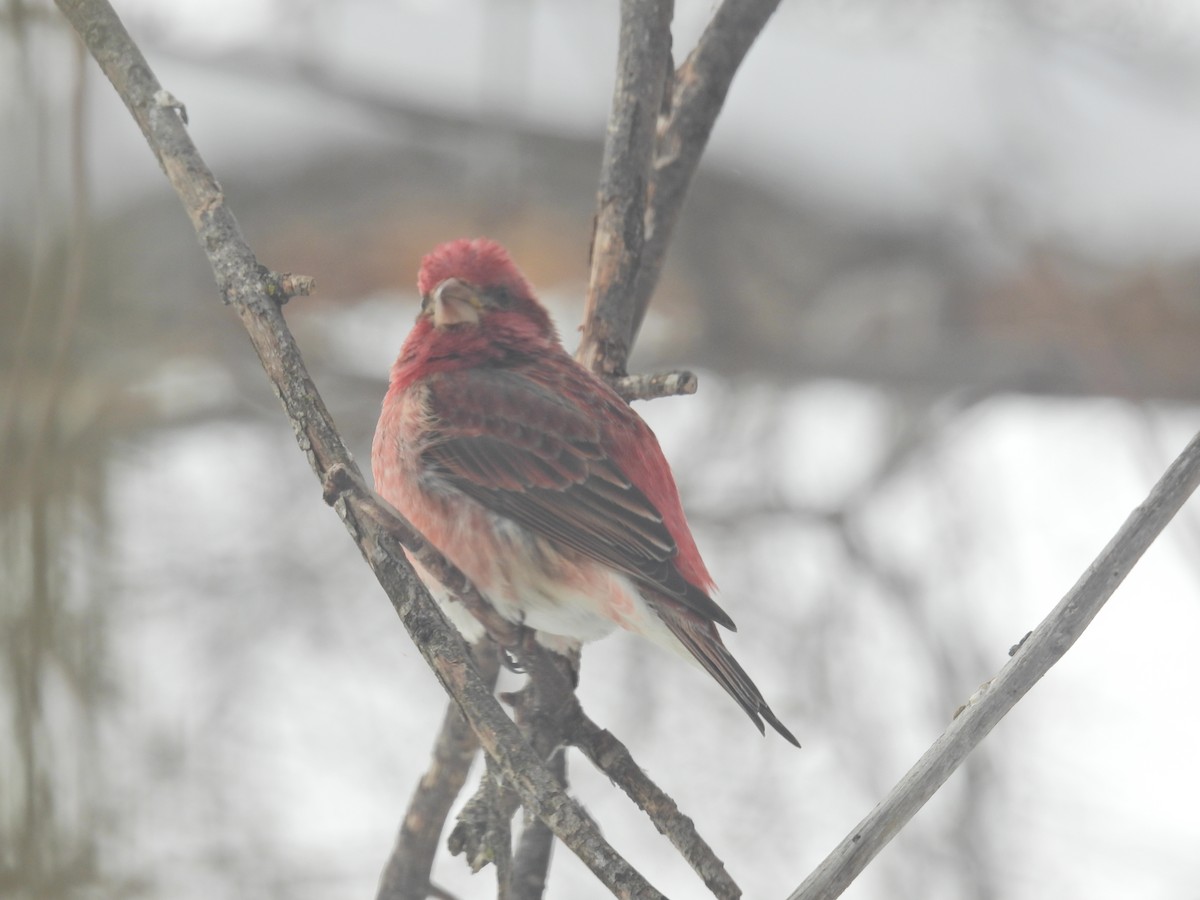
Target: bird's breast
528,578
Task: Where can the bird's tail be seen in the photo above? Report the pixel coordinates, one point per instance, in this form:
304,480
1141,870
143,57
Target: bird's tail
700,637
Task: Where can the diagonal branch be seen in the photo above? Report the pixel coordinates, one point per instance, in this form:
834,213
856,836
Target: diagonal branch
643,65
541,710
645,178
407,874
558,719
700,87
612,758
532,861
1041,649
242,285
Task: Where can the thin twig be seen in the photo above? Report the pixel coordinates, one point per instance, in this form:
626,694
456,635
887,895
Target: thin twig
499,829
407,874
612,758
474,836
542,708
652,387
559,718
241,284
532,860
1031,660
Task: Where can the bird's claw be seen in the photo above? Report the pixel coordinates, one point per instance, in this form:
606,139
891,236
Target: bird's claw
510,662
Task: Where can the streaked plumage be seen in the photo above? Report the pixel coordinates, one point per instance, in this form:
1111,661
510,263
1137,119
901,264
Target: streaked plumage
532,476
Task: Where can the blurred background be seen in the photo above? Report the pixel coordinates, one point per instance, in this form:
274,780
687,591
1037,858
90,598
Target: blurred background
940,276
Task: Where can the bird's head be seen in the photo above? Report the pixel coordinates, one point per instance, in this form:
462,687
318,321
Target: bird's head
473,294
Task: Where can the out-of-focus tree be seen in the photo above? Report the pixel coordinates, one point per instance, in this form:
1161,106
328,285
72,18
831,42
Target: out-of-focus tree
893,324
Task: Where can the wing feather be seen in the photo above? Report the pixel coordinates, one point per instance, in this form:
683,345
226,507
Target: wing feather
526,453
704,642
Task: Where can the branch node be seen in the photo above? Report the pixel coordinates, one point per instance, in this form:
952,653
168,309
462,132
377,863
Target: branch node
164,99
652,387
510,661
338,480
283,286
974,698
1012,651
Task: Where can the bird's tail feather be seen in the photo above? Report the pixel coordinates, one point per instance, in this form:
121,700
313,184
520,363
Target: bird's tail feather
702,640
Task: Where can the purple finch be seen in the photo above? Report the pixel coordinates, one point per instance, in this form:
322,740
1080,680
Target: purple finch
535,479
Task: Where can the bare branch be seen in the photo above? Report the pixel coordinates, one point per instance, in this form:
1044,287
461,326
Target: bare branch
1031,660
241,284
611,757
288,285
407,874
645,176
499,828
701,85
532,861
542,708
640,199
651,387
549,711
642,63
341,480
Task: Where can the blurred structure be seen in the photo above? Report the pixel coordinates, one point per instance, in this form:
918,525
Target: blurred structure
941,349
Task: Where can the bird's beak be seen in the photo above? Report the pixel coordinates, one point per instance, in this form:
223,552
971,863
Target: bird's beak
454,303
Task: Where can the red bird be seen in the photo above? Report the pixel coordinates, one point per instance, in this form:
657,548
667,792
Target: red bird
538,481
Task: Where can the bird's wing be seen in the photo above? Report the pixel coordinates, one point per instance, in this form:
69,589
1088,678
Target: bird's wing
529,454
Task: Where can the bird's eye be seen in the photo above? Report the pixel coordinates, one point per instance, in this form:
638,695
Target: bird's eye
500,297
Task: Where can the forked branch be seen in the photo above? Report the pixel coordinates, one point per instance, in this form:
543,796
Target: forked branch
242,284
657,133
